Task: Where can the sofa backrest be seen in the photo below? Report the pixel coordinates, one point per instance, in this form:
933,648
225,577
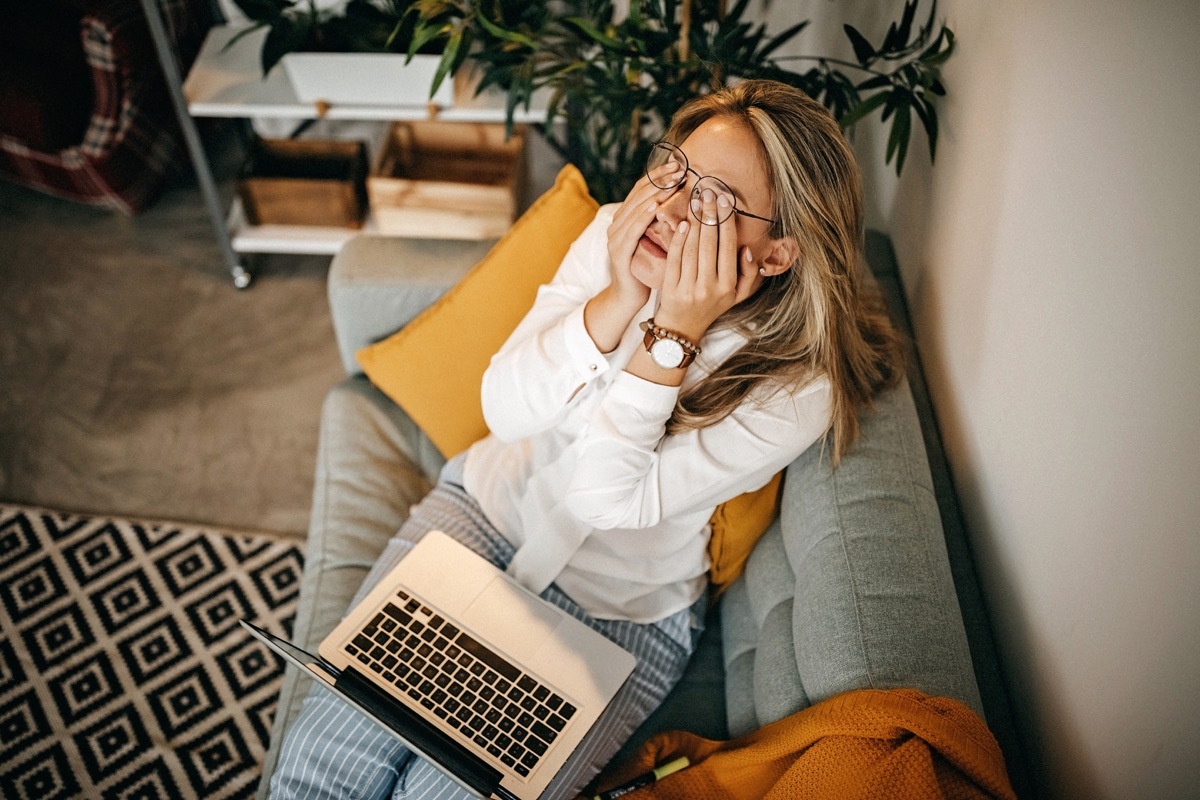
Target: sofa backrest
851,588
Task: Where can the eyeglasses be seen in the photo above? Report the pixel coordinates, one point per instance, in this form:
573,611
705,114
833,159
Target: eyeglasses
663,153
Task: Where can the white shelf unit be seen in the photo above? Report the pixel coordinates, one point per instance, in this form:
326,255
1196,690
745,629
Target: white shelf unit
226,81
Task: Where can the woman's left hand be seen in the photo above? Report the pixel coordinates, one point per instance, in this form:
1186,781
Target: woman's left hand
705,276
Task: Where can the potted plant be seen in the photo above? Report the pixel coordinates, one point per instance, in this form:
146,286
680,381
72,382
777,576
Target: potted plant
360,51
616,81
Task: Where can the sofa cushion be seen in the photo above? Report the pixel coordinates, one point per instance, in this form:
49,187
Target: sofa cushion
858,571
469,323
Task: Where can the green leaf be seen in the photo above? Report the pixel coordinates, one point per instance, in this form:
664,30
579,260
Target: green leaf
448,56
782,38
593,32
284,37
928,116
898,140
932,57
504,34
863,50
863,108
878,82
244,32
904,30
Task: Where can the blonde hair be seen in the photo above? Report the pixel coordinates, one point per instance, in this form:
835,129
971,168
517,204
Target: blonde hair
816,318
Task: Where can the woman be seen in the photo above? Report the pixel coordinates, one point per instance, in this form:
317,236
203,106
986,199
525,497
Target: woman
696,338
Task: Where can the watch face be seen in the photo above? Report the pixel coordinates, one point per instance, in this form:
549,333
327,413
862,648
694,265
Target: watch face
667,353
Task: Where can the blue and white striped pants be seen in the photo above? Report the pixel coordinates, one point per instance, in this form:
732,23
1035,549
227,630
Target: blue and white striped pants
332,751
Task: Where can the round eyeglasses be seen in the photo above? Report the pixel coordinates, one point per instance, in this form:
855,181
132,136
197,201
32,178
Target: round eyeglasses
665,153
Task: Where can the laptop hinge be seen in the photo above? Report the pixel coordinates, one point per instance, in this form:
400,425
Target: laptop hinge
435,744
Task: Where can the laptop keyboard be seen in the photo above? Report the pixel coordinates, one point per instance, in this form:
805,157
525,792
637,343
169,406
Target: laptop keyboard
486,698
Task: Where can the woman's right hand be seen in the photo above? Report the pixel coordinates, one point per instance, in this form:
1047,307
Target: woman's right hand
608,314
628,226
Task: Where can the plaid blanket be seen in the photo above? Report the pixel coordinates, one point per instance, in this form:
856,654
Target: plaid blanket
132,142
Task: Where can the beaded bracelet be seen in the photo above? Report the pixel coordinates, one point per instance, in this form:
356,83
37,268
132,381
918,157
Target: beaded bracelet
662,333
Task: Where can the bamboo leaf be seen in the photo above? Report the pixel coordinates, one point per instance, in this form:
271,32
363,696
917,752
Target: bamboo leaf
928,116
863,50
285,36
863,108
904,30
593,32
878,82
898,140
781,39
448,56
504,34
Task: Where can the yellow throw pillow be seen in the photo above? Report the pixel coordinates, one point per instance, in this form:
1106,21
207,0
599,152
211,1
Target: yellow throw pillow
468,324
737,525
433,367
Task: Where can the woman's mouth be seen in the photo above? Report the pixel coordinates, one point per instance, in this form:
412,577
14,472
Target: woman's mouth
652,248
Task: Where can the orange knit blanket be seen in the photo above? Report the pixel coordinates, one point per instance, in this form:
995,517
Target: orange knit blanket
890,745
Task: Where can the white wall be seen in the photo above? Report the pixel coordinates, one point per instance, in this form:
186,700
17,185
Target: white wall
1052,262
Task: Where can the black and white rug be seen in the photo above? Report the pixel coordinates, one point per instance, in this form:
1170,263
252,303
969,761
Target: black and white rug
123,670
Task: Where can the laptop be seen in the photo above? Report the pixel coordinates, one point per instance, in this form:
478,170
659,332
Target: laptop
468,669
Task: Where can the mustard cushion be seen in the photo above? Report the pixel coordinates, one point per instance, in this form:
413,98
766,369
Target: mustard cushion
468,324
737,525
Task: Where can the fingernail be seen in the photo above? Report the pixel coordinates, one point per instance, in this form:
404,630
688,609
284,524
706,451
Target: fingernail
683,227
723,201
695,204
747,256
651,205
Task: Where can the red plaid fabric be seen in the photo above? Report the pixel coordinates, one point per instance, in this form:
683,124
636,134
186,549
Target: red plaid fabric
133,141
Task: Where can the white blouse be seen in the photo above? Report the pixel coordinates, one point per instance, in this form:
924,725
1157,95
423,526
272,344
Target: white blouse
578,472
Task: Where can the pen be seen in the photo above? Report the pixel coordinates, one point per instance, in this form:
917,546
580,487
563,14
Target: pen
645,779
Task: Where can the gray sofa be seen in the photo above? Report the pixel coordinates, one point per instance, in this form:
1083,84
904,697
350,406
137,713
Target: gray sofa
865,580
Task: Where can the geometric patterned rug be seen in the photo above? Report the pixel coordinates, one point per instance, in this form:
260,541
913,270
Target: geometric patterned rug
123,671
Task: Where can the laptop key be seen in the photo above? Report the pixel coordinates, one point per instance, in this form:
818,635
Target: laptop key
543,732
486,655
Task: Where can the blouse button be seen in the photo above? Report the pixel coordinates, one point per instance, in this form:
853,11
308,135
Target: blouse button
593,367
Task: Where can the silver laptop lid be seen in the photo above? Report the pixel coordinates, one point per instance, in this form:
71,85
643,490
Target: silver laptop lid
498,630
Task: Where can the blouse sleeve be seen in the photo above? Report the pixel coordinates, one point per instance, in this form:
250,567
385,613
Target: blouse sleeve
529,384
631,475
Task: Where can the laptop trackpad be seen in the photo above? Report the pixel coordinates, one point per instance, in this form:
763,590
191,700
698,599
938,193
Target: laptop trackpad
511,619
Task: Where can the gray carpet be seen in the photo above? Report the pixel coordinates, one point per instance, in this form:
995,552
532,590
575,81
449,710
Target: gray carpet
136,381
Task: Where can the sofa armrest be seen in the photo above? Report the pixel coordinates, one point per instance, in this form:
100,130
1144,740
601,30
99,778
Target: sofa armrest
378,284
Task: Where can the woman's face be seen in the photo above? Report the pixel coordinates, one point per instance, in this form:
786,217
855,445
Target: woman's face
723,148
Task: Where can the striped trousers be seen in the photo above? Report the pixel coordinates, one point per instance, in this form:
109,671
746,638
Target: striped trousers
332,751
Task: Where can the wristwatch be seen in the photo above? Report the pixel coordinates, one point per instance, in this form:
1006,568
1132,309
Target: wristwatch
667,349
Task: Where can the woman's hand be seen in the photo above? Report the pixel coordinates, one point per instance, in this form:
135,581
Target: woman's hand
628,226
704,276
609,313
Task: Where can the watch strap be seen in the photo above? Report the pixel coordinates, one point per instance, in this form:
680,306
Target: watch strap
656,332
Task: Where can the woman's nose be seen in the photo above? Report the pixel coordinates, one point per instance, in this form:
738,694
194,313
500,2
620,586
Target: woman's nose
674,209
